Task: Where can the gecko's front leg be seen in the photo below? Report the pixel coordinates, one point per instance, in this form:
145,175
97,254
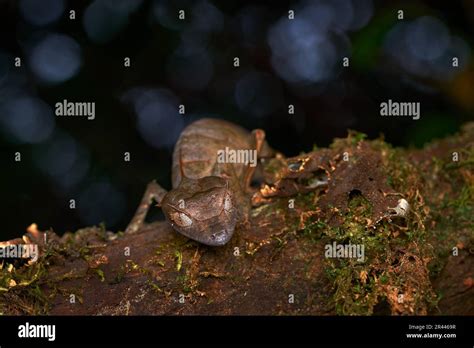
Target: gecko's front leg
154,192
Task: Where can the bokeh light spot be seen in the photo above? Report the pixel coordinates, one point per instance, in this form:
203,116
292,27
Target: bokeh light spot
300,52
63,159
207,17
158,118
428,38
27,119
42,12
102,21
56,58
424,47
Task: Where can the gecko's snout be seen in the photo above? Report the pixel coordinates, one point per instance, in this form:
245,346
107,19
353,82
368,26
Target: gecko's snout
221,237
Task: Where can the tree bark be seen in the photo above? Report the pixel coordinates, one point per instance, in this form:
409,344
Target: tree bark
278,264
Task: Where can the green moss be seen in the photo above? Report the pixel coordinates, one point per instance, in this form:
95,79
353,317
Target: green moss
155,286
20,288
314,230
119,276
452,212
179,260
353,139
352,296
184,281
100,273
358,287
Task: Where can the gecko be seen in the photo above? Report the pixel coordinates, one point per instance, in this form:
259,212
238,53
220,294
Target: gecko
208,198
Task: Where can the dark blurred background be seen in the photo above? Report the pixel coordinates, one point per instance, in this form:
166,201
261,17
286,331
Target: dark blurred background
190,62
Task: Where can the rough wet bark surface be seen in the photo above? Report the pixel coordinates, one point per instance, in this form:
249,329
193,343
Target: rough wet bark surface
420,263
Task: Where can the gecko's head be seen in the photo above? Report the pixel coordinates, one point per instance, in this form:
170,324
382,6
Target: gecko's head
202,210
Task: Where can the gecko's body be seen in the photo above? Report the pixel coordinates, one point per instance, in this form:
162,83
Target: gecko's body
208,198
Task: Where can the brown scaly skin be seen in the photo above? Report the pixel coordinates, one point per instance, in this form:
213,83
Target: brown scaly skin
208,198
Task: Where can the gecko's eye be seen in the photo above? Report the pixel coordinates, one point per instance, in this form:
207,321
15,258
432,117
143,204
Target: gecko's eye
181,219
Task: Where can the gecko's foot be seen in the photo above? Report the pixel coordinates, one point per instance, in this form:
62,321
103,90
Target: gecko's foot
258,199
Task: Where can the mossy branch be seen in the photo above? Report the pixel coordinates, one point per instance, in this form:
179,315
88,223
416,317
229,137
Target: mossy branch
415,264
